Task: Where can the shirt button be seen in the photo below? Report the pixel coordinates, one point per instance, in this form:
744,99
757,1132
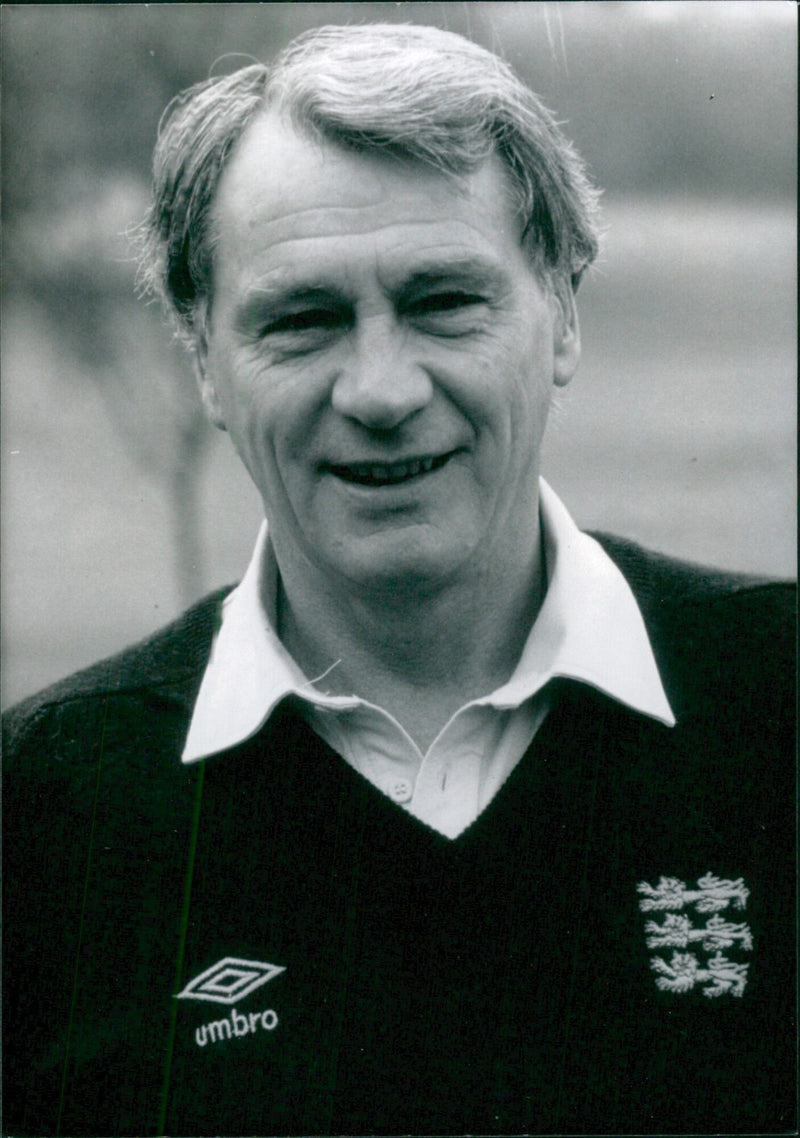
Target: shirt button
400,790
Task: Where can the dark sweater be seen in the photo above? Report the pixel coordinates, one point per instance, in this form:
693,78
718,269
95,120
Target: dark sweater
498,983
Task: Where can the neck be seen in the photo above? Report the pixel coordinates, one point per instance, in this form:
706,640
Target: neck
419,656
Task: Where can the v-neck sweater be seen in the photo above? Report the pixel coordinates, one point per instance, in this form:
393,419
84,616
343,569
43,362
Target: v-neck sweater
265,944
588,628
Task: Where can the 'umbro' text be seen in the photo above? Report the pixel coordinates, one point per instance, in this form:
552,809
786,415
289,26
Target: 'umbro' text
238,1024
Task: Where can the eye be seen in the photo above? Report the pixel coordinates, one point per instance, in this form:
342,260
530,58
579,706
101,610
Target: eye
305,320
447,301
449,313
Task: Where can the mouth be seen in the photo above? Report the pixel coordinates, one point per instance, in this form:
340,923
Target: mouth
388,473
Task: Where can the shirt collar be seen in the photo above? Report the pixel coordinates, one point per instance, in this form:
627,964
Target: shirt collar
589,628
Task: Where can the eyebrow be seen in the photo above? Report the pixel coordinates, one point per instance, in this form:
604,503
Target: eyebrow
473,272
267,299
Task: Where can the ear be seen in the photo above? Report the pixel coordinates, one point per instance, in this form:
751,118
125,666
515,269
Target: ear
205,380
566,335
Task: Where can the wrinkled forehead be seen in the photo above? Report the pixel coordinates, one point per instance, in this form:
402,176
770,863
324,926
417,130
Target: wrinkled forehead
278,172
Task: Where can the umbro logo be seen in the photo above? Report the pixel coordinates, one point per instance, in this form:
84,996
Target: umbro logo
229,980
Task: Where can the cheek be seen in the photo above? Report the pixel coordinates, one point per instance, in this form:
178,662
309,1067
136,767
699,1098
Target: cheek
531,364
510,391
252,399
521,404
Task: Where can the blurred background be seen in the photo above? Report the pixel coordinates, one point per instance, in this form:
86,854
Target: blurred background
120,506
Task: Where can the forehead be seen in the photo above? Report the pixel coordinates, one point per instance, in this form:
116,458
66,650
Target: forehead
285,198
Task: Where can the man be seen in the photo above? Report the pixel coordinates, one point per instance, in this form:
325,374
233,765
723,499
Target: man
449,818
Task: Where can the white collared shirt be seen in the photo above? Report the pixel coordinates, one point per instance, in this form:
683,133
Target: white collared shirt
589,628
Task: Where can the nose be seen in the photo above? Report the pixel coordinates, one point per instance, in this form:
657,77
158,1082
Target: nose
380,385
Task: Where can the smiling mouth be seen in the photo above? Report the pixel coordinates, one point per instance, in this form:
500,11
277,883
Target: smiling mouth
388,474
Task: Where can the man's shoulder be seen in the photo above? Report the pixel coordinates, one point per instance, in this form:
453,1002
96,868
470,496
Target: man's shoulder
666,580
171,659
712,631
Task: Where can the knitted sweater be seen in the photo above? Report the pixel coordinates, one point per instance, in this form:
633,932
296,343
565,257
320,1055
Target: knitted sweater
264,944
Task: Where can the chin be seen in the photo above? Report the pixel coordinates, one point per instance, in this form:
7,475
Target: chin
403,567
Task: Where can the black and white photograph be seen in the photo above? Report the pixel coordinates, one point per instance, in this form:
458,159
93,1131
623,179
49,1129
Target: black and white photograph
399,537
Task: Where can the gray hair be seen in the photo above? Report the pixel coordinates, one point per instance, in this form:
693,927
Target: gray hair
420,93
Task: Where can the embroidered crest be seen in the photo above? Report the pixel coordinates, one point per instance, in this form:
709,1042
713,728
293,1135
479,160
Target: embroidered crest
684,970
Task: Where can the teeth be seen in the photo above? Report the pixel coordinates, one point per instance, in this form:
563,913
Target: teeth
397,472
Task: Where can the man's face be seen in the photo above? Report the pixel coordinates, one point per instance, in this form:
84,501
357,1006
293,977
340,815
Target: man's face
383,357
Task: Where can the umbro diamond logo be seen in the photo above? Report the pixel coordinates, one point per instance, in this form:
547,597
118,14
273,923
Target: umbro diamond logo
229,980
